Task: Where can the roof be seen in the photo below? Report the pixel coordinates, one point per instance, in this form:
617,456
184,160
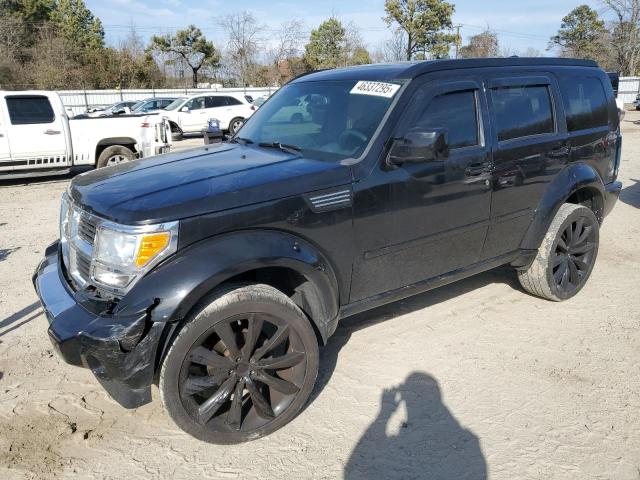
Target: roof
412,69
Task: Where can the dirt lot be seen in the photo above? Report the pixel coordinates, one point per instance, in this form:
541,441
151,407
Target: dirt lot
474,380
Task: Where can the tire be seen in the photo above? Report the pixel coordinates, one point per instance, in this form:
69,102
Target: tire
297,118
566,257
114,155
235,124
201,372
176,135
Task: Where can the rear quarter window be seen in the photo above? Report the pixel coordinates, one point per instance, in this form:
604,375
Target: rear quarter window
29,110
585,102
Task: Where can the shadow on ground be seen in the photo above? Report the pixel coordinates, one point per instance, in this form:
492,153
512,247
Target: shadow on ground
631,194
5,252
429,444
20,318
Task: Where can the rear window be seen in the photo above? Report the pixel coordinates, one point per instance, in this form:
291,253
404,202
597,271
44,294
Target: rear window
522,111
585,102
28,110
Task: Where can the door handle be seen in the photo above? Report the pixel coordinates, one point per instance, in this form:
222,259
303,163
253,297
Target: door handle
475,169
1,135
52,132
559,152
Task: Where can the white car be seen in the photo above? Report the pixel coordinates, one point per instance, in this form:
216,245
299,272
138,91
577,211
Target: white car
38,138
190,115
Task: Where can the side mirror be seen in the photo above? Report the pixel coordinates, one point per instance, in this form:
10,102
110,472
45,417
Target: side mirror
185,109
420,145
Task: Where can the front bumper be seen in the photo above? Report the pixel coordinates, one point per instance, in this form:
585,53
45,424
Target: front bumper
119,350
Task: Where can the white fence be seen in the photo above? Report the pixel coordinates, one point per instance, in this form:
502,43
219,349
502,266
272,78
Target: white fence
628,89
80,100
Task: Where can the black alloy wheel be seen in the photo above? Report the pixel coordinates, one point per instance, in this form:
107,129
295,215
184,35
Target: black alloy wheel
574,254
243,367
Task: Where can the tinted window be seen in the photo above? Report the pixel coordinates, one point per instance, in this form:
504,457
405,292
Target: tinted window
457,113
214,102
233,101
522,111
26,110
196,103
585,102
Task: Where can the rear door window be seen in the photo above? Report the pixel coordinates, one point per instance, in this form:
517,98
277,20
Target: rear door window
233,101
215,102
29,109
522,111
585,102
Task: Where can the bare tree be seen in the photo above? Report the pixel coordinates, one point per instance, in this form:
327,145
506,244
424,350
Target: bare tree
244,40
625,33
286,51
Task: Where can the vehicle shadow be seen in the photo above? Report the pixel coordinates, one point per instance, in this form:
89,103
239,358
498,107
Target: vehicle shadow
330,353
429,444
631,194
23,316
5,252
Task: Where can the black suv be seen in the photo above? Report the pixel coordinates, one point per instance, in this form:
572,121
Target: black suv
217,272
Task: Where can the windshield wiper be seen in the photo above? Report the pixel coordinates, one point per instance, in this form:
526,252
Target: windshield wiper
282,146
243,141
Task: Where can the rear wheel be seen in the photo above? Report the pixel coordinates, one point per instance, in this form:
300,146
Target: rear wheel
242,367
114,155
566,257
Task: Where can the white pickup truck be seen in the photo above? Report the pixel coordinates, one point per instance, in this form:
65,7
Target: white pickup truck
37,137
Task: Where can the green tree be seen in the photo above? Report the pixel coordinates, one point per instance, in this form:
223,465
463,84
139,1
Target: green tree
191,46
360,56
28,10
581,34
75,22
482,45
427,24
326,45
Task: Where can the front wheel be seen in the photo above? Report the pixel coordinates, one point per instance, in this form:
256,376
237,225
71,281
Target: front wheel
566,257
242,366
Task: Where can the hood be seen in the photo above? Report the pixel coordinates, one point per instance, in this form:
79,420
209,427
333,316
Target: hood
199,181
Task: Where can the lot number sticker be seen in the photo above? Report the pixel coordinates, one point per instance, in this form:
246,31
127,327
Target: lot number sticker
377,89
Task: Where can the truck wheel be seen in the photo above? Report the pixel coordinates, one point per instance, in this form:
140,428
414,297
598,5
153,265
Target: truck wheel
566,257
235,124
114,155
176,135
243,365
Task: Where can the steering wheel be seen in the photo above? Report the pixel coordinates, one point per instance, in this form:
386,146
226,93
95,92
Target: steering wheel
357,137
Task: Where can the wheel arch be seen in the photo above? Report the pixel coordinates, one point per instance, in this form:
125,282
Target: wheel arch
579,183
284,261
127,142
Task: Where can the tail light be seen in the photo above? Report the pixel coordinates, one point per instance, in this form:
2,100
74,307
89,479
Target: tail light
145,124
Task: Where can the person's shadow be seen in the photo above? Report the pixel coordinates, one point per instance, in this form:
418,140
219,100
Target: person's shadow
429,444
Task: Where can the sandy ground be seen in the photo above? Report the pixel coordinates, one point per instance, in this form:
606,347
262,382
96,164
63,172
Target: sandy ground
473,380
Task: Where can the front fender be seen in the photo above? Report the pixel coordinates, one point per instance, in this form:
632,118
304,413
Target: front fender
572,178
181,281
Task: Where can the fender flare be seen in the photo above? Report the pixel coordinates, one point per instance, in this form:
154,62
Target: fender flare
574,177
179,283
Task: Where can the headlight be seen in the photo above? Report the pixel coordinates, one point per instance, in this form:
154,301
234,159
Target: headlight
123,254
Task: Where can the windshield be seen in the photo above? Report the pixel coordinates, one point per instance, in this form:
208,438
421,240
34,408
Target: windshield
326,120
175,104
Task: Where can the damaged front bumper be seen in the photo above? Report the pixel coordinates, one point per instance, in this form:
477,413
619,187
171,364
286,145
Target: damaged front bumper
120,349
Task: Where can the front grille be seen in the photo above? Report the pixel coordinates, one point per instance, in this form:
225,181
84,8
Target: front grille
87,229
83,265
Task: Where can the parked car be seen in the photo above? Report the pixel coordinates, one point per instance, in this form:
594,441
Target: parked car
152,104
37,137
217,273
259,101
190,115
117,108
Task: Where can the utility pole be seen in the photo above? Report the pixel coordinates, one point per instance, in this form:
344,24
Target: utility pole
457,38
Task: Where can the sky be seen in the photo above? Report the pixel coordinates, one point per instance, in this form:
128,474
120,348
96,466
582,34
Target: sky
520,24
